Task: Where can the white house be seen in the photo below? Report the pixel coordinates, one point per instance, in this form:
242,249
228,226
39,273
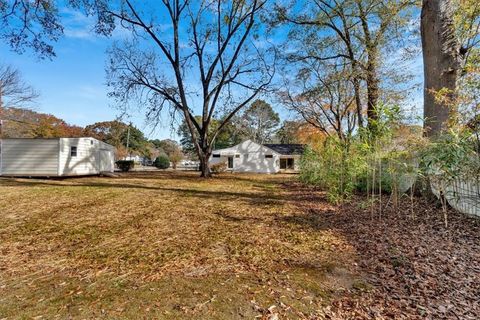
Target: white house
250,156
55,157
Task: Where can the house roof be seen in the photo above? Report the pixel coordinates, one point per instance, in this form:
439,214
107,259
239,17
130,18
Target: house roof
287,149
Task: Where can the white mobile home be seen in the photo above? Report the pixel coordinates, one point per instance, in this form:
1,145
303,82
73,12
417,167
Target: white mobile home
250,156
55,157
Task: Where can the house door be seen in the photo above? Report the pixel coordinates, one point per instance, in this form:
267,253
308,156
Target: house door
230,162
287,163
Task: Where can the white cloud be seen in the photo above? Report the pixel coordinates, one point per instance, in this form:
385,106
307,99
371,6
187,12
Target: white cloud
79,26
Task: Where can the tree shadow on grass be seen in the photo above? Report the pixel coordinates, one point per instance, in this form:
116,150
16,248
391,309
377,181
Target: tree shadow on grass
263,198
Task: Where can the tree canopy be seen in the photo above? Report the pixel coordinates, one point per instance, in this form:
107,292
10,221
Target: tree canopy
34,25
25,123
125,137
259,122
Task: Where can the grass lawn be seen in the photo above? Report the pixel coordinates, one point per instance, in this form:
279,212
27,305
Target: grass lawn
165,245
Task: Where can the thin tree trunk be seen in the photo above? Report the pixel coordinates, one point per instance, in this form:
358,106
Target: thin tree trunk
358,101
441,61
372,87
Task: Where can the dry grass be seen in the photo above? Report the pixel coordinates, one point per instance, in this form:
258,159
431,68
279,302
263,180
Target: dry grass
163,245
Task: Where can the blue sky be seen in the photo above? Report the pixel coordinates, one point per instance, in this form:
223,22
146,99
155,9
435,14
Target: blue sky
72,85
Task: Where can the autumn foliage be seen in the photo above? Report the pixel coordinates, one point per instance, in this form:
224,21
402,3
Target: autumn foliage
25,123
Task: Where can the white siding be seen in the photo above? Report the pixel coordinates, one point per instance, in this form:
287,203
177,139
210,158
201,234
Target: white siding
29,157
87,161
106,161
251,158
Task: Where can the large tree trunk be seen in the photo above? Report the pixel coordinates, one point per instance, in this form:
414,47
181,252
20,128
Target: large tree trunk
441,64
204,167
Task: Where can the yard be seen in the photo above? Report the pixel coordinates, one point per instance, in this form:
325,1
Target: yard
172,246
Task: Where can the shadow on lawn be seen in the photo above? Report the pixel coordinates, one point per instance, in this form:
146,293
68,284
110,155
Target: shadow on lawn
265,197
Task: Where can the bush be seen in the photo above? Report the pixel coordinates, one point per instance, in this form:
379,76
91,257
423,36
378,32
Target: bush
218,167
383,159
125,165
334,168
162,162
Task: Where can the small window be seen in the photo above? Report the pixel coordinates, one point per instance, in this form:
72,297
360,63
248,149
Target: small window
73,151
91,142
216,155
268,156
237,156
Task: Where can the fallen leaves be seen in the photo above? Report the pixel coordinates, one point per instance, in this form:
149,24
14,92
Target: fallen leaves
417,268
170,245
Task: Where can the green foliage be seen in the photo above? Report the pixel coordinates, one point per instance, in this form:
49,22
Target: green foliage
388,157
259,122
452,155
335,168
162,162
171,148
125,165
379,159
119,135
288,132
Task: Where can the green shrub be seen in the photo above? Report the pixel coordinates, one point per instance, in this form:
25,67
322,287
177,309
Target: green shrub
335,168
162,162
125,165
376,160
452,155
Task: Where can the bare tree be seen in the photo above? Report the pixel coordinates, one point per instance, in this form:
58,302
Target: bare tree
14,92
324,96
192,56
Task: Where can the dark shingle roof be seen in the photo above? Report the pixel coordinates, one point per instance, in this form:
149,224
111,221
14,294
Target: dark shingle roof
287,149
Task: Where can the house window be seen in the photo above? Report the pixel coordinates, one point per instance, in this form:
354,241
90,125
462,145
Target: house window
237,156
217,155
73,151
268,156
290,164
